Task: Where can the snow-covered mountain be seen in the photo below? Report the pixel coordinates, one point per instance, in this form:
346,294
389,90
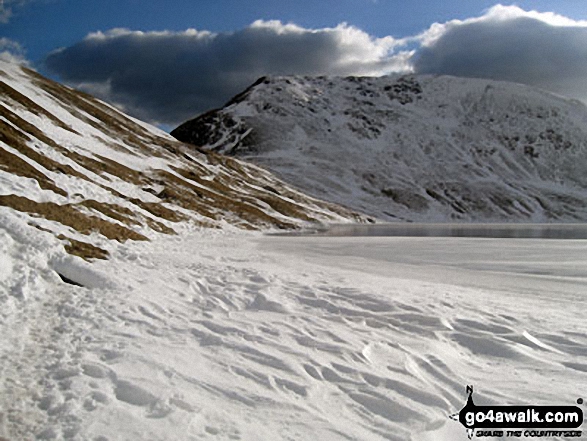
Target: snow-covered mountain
74,166
412,147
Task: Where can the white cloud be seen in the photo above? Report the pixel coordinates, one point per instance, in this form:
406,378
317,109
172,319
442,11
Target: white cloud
12,52
167,77
497,14
543,49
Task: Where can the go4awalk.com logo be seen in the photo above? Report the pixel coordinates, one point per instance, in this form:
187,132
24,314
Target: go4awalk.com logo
519,421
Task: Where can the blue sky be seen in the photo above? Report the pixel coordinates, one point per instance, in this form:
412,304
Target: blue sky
165,77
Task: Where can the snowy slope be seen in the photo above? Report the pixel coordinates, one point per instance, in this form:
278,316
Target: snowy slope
412,147
76,167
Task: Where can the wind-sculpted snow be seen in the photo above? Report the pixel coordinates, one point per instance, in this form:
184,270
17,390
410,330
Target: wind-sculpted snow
234,336
81,170
412,147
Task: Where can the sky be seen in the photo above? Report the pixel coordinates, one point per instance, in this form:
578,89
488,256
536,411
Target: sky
167,61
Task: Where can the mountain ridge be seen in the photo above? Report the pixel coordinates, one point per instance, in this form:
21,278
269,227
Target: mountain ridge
411,147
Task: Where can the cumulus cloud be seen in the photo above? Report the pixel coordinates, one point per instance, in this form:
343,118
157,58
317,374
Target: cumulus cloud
167,77
12,52
507,43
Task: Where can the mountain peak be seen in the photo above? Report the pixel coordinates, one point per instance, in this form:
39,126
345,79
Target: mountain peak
412,147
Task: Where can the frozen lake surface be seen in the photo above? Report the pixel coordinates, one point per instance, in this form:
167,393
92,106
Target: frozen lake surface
512,230
465,255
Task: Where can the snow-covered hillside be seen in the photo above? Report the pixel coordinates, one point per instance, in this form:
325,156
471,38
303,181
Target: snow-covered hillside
412,147
76,167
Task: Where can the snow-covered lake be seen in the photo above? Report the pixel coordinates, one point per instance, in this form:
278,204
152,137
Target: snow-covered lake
225,335
452,254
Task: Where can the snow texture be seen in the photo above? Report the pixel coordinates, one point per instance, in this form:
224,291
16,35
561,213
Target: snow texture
231,335
416,147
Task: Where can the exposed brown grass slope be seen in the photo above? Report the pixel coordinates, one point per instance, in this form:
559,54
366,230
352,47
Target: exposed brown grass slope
78,165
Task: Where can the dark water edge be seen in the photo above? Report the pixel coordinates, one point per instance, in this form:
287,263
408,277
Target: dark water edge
493,230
